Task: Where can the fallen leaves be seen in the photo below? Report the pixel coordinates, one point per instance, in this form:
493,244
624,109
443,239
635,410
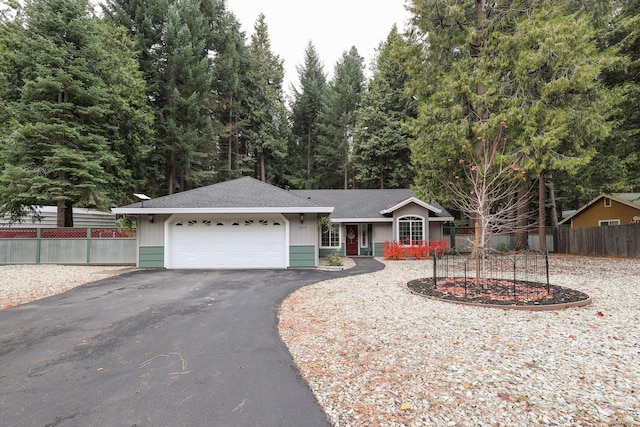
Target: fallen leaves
406,406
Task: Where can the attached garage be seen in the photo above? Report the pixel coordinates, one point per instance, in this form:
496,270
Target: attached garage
227,241
246,223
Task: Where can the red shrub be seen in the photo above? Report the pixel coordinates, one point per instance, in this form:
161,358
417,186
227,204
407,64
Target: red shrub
439,247
419,250
392,250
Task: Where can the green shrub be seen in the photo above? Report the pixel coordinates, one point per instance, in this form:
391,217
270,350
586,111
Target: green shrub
334,259
502,247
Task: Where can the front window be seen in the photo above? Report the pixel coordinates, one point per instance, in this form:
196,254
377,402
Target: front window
331,236
410,230
609,222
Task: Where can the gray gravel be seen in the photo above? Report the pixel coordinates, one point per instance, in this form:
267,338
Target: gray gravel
23,283
374,354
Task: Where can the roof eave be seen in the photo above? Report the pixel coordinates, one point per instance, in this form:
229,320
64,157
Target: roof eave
229,210
585,207
405,202
355,220
440,218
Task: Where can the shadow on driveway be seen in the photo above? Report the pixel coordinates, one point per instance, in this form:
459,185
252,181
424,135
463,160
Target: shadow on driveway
159,348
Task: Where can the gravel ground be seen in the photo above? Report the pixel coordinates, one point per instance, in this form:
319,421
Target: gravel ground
23,283
375,354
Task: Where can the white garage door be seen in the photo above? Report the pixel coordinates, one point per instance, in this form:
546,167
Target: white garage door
228,242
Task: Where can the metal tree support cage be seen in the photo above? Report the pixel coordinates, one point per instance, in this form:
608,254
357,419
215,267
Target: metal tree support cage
520,271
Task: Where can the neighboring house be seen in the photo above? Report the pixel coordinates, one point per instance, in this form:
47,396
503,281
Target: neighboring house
607,209
82,218
246,223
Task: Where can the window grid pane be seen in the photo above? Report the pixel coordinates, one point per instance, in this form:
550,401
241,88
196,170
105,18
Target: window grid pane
410,230
331,237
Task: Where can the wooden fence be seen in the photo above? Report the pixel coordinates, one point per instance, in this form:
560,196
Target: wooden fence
615,241
67,246
461,238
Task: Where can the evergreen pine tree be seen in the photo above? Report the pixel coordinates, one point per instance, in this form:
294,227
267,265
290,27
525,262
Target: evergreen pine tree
535,62
381,148
262,129
336,123
305,109
56,148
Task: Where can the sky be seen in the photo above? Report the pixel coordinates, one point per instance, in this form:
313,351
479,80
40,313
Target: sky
332,25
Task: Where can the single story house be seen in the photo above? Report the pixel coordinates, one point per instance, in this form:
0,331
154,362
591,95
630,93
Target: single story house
246,223
605,210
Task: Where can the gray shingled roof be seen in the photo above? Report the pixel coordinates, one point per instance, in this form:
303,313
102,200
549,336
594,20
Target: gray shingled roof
362,203
245,192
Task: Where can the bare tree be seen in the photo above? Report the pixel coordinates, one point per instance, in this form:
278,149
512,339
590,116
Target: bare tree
487,187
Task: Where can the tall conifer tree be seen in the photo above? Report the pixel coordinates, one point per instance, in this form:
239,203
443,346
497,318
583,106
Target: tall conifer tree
263,127
381,148
535,62
305,109
337,121
59,145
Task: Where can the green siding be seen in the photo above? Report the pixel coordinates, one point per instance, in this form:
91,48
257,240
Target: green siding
377,249
151,256
325,252
302,256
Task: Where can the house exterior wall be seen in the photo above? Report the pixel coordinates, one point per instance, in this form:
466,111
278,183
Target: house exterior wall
435,231
303,241
302,233
411,209
151,241
599,212
151,234
382,231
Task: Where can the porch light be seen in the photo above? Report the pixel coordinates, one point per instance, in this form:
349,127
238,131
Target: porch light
301,218
151,219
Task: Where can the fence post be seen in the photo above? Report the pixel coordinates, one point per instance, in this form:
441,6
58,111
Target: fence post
452,237
38,244
88,245
435,270
546,260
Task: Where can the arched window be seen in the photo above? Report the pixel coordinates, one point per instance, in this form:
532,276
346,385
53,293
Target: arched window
410,230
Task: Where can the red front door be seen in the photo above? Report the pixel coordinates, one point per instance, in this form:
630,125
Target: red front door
352,240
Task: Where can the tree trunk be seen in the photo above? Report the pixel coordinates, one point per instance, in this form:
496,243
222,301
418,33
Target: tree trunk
552,202
68,214
542,229
64,214
522,235
171,175
346,167
60,216
263,172
230,137
308,156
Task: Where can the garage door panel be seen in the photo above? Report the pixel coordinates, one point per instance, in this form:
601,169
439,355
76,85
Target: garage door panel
246,242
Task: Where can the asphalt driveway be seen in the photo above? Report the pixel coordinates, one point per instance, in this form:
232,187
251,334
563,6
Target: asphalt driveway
158,348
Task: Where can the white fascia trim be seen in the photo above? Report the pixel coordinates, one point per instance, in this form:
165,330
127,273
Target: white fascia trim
158,211
411,200
440,218
360,220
